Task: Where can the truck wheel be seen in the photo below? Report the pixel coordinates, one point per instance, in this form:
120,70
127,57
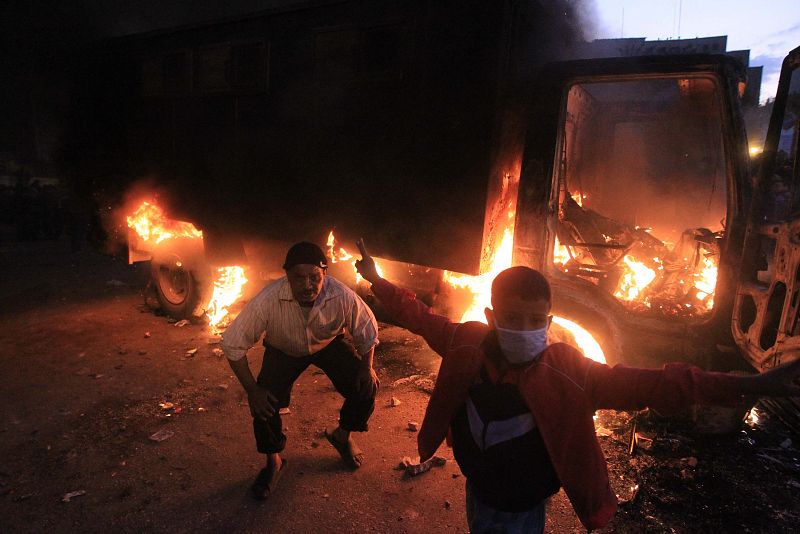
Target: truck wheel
180,291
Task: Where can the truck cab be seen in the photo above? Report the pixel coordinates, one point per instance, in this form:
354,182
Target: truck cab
637,198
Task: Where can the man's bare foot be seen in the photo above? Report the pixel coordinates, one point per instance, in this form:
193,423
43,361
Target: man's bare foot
350,452
267,479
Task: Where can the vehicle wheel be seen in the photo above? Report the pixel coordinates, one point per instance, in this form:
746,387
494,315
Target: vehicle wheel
181,292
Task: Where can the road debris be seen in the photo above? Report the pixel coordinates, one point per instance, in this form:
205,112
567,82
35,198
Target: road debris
631,498
219,353
115,283
413,426
181,323
222,386
404,380
394,401
162,435
147,334
413,467
284,411
72,494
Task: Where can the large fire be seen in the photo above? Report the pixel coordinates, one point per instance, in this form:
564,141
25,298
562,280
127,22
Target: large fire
227,290
639,269
153,228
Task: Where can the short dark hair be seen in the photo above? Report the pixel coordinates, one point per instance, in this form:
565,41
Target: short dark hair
305,253
520,281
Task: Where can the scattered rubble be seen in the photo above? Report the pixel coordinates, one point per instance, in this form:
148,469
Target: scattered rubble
162,435
404,380
394,401
413,426
413,467
72,494
181,323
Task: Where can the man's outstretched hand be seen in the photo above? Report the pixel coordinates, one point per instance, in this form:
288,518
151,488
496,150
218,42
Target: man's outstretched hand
366,265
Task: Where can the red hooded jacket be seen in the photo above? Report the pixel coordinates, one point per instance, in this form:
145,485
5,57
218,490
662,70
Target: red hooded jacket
562,389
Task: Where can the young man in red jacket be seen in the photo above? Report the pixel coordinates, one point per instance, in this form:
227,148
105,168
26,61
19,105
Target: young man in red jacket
520,411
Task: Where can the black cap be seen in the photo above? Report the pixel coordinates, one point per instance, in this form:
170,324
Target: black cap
305,253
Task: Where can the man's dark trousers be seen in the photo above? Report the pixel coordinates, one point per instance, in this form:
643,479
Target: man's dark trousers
339,361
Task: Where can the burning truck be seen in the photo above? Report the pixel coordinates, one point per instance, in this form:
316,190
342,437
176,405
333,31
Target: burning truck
448,138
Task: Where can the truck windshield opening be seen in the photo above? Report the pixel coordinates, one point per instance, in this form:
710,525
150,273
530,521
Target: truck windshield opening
642,191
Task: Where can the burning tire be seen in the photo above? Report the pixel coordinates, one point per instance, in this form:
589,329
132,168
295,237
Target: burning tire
183,285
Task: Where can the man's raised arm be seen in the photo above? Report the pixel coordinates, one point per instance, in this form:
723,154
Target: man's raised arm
404,306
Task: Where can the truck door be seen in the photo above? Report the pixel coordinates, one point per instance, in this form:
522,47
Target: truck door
766,315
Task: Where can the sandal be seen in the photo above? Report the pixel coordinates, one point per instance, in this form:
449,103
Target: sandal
349,451
266,481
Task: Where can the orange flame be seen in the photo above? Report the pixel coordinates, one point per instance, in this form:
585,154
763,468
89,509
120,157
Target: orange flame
227,290
635,280
336,257
481,288
561,254
638,276
706,282
152,226
343,255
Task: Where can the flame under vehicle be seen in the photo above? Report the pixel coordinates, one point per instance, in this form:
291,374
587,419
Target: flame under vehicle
447,138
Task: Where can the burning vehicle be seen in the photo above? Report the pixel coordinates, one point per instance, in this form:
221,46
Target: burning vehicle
453,143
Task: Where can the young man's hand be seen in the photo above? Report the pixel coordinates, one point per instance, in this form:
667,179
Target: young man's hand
263,404
782,381
366,265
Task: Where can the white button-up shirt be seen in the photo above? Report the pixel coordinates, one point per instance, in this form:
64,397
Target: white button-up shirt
275,311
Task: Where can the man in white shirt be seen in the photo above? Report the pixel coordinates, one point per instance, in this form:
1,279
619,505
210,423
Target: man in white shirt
304,315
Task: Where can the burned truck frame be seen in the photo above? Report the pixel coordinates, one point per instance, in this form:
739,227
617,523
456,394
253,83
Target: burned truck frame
638,164
642,168
434,132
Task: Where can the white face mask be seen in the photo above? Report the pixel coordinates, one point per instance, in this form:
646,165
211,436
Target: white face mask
521,346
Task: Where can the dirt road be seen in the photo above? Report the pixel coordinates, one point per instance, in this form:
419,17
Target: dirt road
87,375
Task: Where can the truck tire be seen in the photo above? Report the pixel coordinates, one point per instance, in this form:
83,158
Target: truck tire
182,282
